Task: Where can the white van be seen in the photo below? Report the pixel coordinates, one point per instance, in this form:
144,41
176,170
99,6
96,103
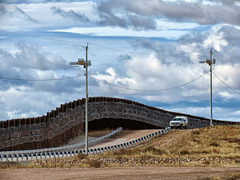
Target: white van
179,122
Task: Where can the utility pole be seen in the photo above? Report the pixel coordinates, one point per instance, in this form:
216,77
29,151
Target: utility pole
210,62
86,103
85,64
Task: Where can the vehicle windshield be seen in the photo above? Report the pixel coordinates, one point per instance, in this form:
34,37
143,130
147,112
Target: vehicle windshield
177,119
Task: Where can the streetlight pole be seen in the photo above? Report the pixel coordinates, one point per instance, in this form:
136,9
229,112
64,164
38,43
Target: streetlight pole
210,62
85,64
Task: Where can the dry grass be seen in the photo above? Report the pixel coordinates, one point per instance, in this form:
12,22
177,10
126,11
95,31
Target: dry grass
11,165
95,163
211,141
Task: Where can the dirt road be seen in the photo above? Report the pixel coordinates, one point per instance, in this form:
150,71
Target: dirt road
133,173
125,136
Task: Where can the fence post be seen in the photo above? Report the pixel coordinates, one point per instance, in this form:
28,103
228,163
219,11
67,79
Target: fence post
66,153
21,156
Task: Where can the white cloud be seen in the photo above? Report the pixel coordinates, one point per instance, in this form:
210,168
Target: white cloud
236,113
152,73
43,15
112,83
180,11
166,24
117,31
150,78
23,102
215,39
191,50
226,95
229,74
198,111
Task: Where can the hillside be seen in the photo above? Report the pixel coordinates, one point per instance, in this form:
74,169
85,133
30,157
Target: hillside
208,147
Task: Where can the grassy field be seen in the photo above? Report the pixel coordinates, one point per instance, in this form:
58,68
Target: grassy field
208,147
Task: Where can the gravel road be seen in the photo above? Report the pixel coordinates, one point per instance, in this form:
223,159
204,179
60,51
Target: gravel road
133,173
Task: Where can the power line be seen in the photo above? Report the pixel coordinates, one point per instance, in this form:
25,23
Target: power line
113,49
230,60
49,39
146,90
221,79
97,45
222,54
225,84
20,79
146,54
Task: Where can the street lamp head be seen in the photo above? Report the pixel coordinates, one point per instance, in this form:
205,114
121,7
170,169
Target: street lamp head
202,61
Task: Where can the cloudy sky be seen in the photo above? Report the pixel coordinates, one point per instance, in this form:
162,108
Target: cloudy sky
145,51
